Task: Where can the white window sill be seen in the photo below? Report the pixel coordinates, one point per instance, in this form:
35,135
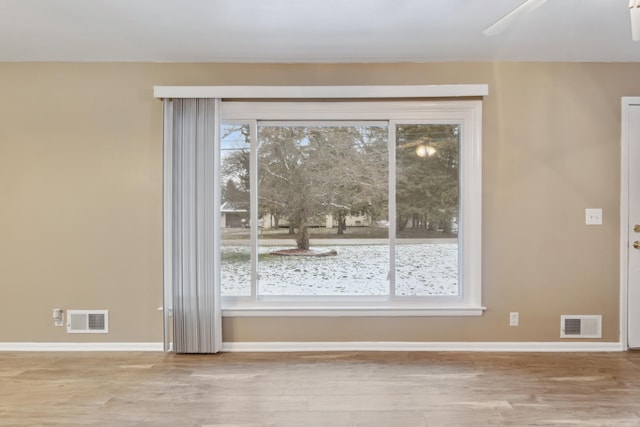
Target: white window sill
453,311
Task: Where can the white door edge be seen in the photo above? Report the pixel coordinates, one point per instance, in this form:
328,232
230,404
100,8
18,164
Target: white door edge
627,102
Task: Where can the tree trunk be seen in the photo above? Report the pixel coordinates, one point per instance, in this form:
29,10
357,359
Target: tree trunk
302,239
292,229
342,223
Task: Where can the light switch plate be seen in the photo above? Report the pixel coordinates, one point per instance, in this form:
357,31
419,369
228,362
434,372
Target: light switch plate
593,216
514,318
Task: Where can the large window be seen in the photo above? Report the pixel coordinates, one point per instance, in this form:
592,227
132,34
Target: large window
350,207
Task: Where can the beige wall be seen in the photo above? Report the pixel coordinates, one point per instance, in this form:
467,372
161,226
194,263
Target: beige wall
81,190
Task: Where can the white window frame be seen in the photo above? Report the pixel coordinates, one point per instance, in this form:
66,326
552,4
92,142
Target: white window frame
471,304
468,114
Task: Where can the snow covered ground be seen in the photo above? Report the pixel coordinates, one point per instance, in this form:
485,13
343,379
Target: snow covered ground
421,269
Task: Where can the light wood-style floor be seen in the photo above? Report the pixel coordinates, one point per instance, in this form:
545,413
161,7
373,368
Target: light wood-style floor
320,389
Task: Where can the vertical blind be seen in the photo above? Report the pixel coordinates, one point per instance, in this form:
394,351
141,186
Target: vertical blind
191,295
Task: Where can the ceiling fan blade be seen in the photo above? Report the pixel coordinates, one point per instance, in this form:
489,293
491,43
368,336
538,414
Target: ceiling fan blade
506,21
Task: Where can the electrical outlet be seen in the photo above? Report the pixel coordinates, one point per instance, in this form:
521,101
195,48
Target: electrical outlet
58,317
593,216
514,318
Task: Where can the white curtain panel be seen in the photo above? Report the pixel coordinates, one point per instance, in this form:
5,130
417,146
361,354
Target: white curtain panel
192,296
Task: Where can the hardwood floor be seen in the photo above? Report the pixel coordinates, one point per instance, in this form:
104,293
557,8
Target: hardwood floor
320,389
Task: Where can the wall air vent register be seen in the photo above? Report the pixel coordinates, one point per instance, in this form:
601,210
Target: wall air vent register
87,321
583,326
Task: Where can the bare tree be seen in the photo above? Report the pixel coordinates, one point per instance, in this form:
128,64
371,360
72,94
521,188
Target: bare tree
235,166
427,185
308,172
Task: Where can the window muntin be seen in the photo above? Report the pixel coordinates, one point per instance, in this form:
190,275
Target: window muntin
465,116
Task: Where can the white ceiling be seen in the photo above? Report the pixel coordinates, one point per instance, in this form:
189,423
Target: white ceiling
312,31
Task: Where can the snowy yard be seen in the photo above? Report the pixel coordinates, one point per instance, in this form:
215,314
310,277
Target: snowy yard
422,269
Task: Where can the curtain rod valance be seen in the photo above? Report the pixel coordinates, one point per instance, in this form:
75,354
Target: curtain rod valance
309,92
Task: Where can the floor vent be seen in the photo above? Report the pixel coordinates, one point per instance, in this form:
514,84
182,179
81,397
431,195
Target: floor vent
87,321
584,326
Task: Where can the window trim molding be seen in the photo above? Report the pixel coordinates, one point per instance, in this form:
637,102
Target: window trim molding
326,92
371,311
467,113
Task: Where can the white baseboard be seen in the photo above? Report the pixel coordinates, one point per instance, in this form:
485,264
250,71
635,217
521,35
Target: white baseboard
332,346
68,346
424,346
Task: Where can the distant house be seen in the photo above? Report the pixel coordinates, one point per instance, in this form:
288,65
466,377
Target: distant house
350,221
329,221
233,215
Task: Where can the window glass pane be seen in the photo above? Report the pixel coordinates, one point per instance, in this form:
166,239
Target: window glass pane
323,204
235,249
427,199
